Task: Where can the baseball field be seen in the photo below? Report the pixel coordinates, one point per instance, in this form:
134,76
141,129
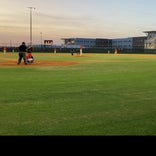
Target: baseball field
88,95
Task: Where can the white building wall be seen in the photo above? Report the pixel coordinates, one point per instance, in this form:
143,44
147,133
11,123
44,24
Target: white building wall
150,43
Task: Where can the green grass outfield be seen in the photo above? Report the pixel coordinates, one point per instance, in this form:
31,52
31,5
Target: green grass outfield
103,94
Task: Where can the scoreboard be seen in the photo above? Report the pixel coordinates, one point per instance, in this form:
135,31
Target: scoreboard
48,42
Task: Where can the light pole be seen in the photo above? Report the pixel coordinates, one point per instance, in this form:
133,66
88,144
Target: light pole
31,25
41,39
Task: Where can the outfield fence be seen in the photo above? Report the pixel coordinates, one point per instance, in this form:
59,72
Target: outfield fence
85,50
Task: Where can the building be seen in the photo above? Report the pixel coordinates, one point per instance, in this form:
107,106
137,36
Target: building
139,42
150,42
104,43
121,43
129,43
77,42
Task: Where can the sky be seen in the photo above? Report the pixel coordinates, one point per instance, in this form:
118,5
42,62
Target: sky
57,19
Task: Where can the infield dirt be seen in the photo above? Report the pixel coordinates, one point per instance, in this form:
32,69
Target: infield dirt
13,63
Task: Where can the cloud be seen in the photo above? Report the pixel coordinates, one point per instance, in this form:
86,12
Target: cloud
58,22
64,17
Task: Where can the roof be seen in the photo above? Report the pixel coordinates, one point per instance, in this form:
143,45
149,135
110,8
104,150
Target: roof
149,31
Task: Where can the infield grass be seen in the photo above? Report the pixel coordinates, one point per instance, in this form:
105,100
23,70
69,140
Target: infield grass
101,95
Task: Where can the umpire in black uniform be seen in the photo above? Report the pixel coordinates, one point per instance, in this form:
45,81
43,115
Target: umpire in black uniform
22,53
